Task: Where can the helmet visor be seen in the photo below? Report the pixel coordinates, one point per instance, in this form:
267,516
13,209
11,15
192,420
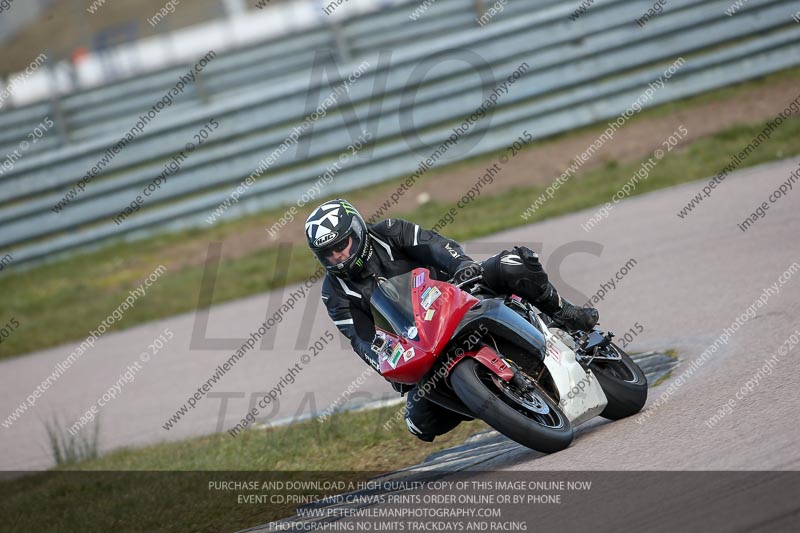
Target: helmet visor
340,251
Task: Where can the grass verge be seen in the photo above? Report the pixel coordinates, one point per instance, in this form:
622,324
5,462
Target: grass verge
165,487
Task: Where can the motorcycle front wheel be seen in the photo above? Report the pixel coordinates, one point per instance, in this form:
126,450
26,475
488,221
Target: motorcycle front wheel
531,418
623,383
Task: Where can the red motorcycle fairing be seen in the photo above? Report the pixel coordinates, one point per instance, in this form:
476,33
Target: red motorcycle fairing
437,307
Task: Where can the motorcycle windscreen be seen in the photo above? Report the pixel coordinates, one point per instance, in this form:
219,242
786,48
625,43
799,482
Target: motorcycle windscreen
419,309
392,308
422,314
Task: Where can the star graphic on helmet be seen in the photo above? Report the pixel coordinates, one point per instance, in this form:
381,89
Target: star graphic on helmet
324,220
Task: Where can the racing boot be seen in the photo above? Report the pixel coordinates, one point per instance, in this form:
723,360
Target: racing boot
564,312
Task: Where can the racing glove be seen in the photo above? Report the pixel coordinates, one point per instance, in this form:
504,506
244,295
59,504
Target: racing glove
467,270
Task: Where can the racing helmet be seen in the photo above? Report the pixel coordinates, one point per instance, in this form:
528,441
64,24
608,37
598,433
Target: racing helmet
332,229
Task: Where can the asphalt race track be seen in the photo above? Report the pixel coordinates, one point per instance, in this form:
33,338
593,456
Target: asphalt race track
692,278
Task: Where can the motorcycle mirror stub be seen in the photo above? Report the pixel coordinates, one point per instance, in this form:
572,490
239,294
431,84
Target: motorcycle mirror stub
379,342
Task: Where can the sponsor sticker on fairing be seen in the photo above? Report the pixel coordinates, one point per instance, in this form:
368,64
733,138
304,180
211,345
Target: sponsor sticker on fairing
419,279
395,357
429,314
430,297
408,354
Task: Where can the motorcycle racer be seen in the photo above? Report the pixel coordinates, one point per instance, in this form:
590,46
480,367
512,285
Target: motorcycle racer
357,256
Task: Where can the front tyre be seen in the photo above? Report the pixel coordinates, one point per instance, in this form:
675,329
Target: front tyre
531,419
623,383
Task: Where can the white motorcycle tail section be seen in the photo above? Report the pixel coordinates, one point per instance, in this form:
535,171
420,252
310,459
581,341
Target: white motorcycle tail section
581,396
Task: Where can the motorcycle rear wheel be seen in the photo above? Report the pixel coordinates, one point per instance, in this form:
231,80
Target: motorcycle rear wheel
531,419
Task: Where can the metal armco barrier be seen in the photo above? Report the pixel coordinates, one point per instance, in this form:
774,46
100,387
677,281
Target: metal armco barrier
578,73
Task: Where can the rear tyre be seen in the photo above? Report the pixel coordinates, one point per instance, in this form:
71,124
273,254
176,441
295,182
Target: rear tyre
532,419
624,384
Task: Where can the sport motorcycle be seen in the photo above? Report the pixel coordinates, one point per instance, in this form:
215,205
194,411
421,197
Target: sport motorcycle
499,359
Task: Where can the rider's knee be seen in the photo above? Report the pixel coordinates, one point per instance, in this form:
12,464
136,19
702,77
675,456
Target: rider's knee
505,271
529,259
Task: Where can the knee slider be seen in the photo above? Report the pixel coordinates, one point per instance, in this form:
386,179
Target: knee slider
529,258
533,269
